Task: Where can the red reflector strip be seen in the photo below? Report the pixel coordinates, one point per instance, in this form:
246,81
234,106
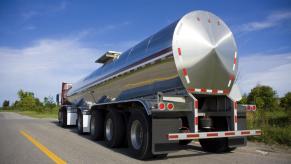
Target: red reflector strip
225,91
235,105
214,91
196,104
175,136
212,134
191,89
258,132
234,61
229,133
231,77
196,120
179,51
235,119
203,90
245,132
192,135
185,72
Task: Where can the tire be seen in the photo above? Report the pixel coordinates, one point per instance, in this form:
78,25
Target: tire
140,147
160,156
215,145
184,142
114,129
63,118
97,125
80,123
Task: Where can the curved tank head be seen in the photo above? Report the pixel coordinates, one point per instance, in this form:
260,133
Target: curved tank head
205,53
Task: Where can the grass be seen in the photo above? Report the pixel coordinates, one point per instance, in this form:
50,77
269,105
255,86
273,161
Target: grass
35,114
275,125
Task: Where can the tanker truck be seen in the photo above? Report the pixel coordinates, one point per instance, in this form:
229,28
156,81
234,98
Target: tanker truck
176,86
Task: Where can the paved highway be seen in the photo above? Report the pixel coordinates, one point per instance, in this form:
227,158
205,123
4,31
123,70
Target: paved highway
28,140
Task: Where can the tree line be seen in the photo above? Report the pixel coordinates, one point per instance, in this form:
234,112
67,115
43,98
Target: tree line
27,101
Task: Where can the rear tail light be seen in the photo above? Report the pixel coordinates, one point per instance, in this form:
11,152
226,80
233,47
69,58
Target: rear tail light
162,106
170,106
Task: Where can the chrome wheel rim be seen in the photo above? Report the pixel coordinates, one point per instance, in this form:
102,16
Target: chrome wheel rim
136,134
109,129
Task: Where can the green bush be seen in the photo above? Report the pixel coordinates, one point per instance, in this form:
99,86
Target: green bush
274,124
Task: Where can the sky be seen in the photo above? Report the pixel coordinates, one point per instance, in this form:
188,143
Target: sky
43,43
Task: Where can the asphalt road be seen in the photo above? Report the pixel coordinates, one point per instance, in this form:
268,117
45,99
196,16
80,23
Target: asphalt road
49,141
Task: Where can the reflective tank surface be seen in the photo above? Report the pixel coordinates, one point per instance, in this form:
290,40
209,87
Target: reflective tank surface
197,53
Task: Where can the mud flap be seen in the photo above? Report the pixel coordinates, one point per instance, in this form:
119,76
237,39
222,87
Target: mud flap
160,130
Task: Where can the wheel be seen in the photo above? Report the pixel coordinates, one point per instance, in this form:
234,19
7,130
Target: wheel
114,126
63,118
215,145
139,135
97,125
184,142
80,123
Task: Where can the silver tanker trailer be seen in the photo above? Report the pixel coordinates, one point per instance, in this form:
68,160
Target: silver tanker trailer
175,86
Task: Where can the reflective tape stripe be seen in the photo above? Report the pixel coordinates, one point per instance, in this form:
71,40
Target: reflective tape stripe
245,132
202,135
225,91
234,60
229,82
212,134
220,91
196,121
196,105
187,79
229,133
204,90
235,115
173,136
179,51
195,115
192,135
185,73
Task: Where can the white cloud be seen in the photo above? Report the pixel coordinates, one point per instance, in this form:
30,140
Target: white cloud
274,19
43,66
266,69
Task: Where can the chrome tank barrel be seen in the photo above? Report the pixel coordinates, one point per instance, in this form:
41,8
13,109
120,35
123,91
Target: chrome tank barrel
198,51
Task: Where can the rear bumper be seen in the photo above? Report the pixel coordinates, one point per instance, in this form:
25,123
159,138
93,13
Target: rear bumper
220,134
